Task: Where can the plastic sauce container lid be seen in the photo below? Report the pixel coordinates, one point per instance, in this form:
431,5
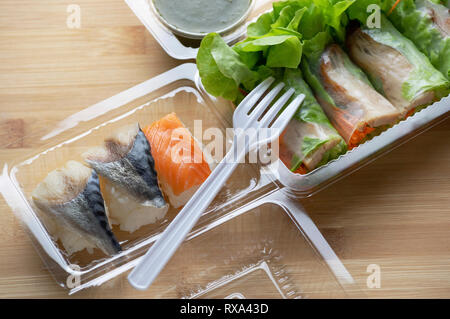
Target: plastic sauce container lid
196,18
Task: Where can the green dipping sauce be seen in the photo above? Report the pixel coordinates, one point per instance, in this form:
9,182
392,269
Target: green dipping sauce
201,16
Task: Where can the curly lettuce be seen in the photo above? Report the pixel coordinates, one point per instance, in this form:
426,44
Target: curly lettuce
221,69
278,39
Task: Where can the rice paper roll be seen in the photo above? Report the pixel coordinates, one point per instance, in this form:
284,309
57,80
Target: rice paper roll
427,24
397,69
353,106
309,140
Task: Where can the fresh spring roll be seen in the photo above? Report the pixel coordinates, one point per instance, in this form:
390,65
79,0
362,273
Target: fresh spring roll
354,107
309,140
396,67
427,24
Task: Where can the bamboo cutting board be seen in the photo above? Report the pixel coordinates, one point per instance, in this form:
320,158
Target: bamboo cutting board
394,213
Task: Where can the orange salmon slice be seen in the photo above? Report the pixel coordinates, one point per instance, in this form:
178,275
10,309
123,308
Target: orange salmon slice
179,160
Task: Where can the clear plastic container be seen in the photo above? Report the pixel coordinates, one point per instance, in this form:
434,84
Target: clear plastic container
285,254
308,184
275,252
176,90
300,185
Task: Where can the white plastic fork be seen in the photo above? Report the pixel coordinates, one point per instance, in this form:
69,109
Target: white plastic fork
250,120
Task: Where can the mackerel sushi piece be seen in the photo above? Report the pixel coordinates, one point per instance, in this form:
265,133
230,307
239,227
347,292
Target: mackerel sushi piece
128,178
71,201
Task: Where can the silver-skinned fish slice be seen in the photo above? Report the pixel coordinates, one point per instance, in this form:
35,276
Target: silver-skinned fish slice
71,198
130,182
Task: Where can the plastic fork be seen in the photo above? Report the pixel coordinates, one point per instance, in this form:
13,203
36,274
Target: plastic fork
250,119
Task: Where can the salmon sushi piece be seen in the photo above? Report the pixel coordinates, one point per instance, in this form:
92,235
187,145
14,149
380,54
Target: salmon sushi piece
180,161
128,178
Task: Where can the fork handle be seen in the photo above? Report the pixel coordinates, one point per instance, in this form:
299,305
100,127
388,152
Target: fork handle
162,250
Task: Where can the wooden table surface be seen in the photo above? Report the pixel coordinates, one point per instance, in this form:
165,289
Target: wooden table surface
394,212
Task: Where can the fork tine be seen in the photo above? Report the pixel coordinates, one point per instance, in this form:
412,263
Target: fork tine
276,108
262,106
250,100
282,121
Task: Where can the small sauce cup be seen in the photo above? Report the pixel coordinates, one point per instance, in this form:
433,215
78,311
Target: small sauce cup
190,34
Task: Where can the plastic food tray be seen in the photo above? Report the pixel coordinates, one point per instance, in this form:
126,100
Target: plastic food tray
269,256
301,185
287,258
176,90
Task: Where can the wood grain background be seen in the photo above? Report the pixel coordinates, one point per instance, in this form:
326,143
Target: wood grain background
394,212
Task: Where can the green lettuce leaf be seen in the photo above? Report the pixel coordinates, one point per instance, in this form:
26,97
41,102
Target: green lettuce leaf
280,48
287,54
311,143
285,16
261,26
359,9
221,68
278,39
336,17
310,111
323,23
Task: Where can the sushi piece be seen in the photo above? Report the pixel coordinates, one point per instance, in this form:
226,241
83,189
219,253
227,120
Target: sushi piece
396,67
309,140
129,180
70,198
353,106
427,24
181,164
